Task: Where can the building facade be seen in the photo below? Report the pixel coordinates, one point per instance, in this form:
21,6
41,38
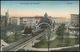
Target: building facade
59,20
30,21
14,20
74,19
74,26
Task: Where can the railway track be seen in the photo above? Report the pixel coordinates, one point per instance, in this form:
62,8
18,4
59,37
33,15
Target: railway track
19,43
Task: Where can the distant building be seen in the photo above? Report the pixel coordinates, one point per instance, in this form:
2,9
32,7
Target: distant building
14,20
74,27
7,17
26,21
2,21
11,20
74,19
59,20
30,21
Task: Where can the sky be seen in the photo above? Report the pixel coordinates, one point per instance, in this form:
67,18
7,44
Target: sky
38,8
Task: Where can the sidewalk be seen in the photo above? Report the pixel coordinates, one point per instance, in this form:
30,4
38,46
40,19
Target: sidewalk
46,49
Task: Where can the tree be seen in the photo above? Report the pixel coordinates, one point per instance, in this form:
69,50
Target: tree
61,29
60,32
28,30
16,36
10,39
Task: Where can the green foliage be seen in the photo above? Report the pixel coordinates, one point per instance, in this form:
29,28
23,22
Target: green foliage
16,36
42,43
10,39
61,29
13,27
60,32
13,38
10,27
56,43
28,30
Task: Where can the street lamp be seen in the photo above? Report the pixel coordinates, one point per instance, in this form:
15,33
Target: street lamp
48,31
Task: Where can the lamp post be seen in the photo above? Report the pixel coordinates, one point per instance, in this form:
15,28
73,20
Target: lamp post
48,36
48,32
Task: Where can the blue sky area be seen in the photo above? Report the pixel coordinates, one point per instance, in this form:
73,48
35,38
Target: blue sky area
32,8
